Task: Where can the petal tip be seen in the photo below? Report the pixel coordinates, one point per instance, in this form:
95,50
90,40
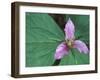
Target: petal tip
61,50
56,57
81,46
69,29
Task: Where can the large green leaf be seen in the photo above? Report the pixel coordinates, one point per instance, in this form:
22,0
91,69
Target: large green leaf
81,23
75,58
42,37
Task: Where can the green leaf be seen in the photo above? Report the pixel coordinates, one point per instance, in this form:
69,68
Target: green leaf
75,58
43,35
81,23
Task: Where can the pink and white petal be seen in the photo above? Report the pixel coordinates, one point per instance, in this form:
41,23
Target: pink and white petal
81,46
61,50
69,29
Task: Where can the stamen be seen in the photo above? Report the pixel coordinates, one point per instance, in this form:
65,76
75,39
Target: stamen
70,43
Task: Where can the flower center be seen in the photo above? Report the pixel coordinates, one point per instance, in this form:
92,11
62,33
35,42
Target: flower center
70,43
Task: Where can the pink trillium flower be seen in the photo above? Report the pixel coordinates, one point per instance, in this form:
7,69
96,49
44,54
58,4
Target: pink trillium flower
70,42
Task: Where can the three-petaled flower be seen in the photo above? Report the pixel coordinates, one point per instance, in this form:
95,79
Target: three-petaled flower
70,42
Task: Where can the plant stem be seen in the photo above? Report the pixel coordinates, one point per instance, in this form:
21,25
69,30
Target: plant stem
74,57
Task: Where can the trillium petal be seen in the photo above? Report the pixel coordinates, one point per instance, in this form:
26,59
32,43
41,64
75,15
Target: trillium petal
61,50
81,46
69,29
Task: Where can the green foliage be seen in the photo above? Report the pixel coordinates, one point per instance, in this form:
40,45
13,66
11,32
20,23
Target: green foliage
74,58
43,35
